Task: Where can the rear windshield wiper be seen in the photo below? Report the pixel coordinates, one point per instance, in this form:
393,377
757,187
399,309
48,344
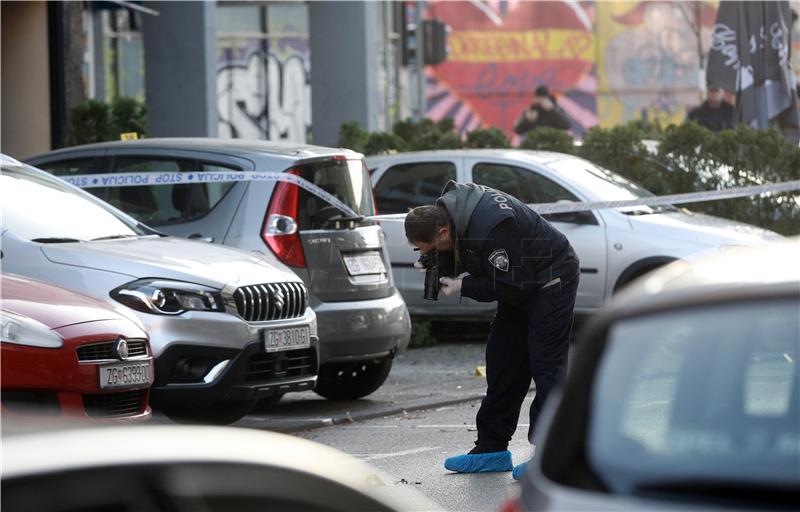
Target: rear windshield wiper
55,240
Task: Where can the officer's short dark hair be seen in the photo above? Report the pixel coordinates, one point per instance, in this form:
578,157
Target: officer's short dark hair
423,222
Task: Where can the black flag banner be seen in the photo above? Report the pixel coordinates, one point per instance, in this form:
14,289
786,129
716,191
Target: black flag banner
750,55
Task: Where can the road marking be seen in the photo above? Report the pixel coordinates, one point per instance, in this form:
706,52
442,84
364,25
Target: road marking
460,426
376,456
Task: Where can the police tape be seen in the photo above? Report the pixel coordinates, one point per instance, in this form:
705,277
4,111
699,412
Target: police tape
137,179
690,197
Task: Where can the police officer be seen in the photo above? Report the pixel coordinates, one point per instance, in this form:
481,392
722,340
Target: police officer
514,256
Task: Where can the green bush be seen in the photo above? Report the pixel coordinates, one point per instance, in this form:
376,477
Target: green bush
548,139
487,138
96,121
89,122
421,335
426,135
352,136
383,142
128,115
621,149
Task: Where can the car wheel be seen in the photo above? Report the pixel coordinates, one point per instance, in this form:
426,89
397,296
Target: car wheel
218,413
349,381
265,405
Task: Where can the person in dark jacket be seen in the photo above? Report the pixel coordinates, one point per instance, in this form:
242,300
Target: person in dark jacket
543,112
715,113
514,256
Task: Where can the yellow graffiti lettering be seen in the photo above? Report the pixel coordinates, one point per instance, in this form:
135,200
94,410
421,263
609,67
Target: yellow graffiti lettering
478,47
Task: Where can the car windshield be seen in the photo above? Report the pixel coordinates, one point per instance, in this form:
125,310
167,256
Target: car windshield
45,209
602,183
347,180
699,396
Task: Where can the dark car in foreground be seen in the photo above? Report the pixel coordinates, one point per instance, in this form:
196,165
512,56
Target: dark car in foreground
344,262
66,354
684,394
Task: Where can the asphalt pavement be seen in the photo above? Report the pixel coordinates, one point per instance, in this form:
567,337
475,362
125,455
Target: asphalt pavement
422,378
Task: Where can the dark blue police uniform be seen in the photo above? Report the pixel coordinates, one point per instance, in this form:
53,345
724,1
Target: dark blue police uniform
516,257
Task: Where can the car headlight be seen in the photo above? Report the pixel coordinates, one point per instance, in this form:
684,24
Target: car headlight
21,330
168,297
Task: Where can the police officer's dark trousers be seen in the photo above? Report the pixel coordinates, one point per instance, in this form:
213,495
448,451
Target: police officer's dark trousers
529,341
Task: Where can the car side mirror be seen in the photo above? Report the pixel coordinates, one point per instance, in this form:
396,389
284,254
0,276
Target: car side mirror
584,217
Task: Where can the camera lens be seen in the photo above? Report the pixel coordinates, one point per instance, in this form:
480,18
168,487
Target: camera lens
431,291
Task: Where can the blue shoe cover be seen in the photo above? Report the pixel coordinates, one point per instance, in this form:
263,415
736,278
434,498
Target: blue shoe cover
493,462
519,471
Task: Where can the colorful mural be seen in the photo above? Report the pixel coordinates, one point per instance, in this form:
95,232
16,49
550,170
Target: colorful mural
649,66
500,51
606,62
264,88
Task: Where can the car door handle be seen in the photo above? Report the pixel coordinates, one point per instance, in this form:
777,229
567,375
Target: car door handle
201,238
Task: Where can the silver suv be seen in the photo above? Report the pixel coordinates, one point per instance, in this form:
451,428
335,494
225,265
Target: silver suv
227,327
344,262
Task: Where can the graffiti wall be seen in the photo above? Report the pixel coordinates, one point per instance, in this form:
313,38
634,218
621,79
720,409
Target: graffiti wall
650,63
500,51
606,62
264,89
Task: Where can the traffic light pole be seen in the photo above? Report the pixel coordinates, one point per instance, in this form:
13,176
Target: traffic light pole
419,61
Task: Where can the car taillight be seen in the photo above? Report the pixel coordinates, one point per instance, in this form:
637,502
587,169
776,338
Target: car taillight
280,231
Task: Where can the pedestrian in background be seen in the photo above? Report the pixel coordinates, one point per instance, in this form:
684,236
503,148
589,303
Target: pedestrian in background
515,257
715,113
543,112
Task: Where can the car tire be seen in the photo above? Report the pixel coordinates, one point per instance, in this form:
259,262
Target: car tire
349,381
218,413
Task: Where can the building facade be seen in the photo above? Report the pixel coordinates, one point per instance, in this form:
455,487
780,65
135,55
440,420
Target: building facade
294,71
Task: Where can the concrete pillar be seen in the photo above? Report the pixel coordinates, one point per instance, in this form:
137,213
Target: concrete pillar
344,40
25,103
180,69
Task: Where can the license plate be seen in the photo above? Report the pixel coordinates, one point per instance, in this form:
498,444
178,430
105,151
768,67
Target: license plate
364,263
277,340
125,375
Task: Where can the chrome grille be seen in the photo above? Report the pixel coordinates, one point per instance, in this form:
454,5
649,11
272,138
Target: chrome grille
105,350
270,301
280,365
107,405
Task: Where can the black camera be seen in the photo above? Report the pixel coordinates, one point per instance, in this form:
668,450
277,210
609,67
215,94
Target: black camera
436,264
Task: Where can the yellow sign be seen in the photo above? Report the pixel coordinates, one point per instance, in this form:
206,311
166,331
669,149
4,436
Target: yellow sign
548,44
129,136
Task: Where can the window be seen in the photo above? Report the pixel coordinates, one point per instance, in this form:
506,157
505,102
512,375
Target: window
73,167
69,214
406,186
526,185
159,205
347,180
702,393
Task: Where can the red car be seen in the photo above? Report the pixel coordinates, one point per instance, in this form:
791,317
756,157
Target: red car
62,353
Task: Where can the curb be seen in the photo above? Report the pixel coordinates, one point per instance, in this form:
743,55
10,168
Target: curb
299,425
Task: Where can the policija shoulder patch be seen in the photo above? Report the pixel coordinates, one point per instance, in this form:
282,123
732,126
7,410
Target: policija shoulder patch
499,259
